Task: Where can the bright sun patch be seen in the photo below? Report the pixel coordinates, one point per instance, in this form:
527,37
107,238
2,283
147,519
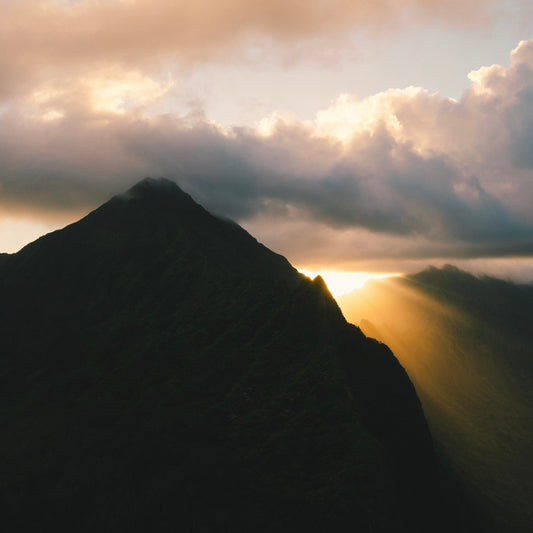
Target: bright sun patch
349,115
342,282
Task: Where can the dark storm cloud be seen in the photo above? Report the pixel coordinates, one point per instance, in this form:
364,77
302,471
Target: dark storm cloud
70,166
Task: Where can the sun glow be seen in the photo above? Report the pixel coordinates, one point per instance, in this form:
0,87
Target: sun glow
349,116
342,282
17,232
467,379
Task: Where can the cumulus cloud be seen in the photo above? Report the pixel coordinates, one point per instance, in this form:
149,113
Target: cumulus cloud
401,174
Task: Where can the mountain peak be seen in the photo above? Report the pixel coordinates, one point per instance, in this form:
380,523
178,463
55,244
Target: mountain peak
160,192
150,187
155,184
152,306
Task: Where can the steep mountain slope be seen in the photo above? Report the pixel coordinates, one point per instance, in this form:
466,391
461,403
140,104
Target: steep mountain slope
467,344
161,370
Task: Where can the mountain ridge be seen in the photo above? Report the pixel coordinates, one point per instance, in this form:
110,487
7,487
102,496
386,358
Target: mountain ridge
173,372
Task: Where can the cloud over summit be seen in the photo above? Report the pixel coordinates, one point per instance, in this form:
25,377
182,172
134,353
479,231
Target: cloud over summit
401,173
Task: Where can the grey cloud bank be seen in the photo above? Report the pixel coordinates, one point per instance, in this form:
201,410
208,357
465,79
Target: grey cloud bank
402,174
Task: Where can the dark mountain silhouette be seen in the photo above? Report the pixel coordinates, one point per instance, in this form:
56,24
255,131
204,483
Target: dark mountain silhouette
163,371
467,344
3,257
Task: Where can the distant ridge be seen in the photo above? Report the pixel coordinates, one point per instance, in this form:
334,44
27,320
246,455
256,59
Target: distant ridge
174,374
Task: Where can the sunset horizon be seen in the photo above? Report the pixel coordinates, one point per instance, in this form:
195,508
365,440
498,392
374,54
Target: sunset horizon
266,266
348,138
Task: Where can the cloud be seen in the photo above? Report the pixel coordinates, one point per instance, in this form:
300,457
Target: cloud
55,40
401,174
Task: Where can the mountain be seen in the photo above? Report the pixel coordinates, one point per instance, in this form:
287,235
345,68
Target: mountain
161,370
467,344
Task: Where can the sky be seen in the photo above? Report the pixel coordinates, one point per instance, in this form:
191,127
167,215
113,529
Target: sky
350,136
